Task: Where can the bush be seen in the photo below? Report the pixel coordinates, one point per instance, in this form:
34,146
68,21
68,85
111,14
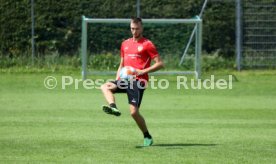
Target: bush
58,24
109,62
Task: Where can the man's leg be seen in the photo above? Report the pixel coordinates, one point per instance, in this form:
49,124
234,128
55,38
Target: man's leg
107,90
140,121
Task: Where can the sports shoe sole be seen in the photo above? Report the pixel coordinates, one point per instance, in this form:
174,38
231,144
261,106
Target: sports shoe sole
109,110
148,142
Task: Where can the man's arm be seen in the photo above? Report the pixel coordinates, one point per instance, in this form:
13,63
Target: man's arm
119,68
156,66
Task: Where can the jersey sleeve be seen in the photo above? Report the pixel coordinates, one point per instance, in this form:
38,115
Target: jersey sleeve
122,50
151,49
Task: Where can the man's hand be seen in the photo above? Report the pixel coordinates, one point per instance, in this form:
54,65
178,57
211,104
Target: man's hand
156,66
139,72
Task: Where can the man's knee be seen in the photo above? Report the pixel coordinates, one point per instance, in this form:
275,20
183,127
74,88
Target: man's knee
104,87
134,113
108,86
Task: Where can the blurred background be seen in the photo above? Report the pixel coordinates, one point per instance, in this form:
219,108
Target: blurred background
237,34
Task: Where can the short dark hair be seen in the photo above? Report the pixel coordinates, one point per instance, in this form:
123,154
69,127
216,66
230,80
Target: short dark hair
136,20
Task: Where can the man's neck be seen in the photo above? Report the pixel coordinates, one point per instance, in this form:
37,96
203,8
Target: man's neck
137,39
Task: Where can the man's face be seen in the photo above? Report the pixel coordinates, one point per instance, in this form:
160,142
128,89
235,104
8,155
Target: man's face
136,29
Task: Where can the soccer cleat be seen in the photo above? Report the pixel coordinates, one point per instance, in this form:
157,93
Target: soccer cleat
148,141
110,110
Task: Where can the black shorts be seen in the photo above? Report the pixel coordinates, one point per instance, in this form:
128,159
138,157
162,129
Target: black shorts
134,89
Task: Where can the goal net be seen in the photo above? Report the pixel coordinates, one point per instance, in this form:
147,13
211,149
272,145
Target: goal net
259,33
101,40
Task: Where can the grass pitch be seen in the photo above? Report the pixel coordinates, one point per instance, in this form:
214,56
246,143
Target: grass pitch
38,125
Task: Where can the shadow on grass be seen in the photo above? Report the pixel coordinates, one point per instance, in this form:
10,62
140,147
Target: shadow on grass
176,145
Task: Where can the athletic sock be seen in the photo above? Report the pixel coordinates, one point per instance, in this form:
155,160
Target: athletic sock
113,105
147,135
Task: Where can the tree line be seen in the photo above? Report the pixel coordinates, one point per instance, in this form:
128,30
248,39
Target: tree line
58,25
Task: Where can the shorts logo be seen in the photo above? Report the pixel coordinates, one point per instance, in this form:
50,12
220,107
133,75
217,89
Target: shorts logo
133,100
140,48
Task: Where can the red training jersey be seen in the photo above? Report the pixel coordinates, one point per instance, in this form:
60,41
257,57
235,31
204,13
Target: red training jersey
138,54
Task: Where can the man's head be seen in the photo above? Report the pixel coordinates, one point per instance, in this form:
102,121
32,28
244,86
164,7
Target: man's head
136,27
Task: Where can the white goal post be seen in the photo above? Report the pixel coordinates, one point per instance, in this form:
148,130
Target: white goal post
198,39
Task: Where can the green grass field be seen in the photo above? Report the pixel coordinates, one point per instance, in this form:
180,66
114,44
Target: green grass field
38,125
